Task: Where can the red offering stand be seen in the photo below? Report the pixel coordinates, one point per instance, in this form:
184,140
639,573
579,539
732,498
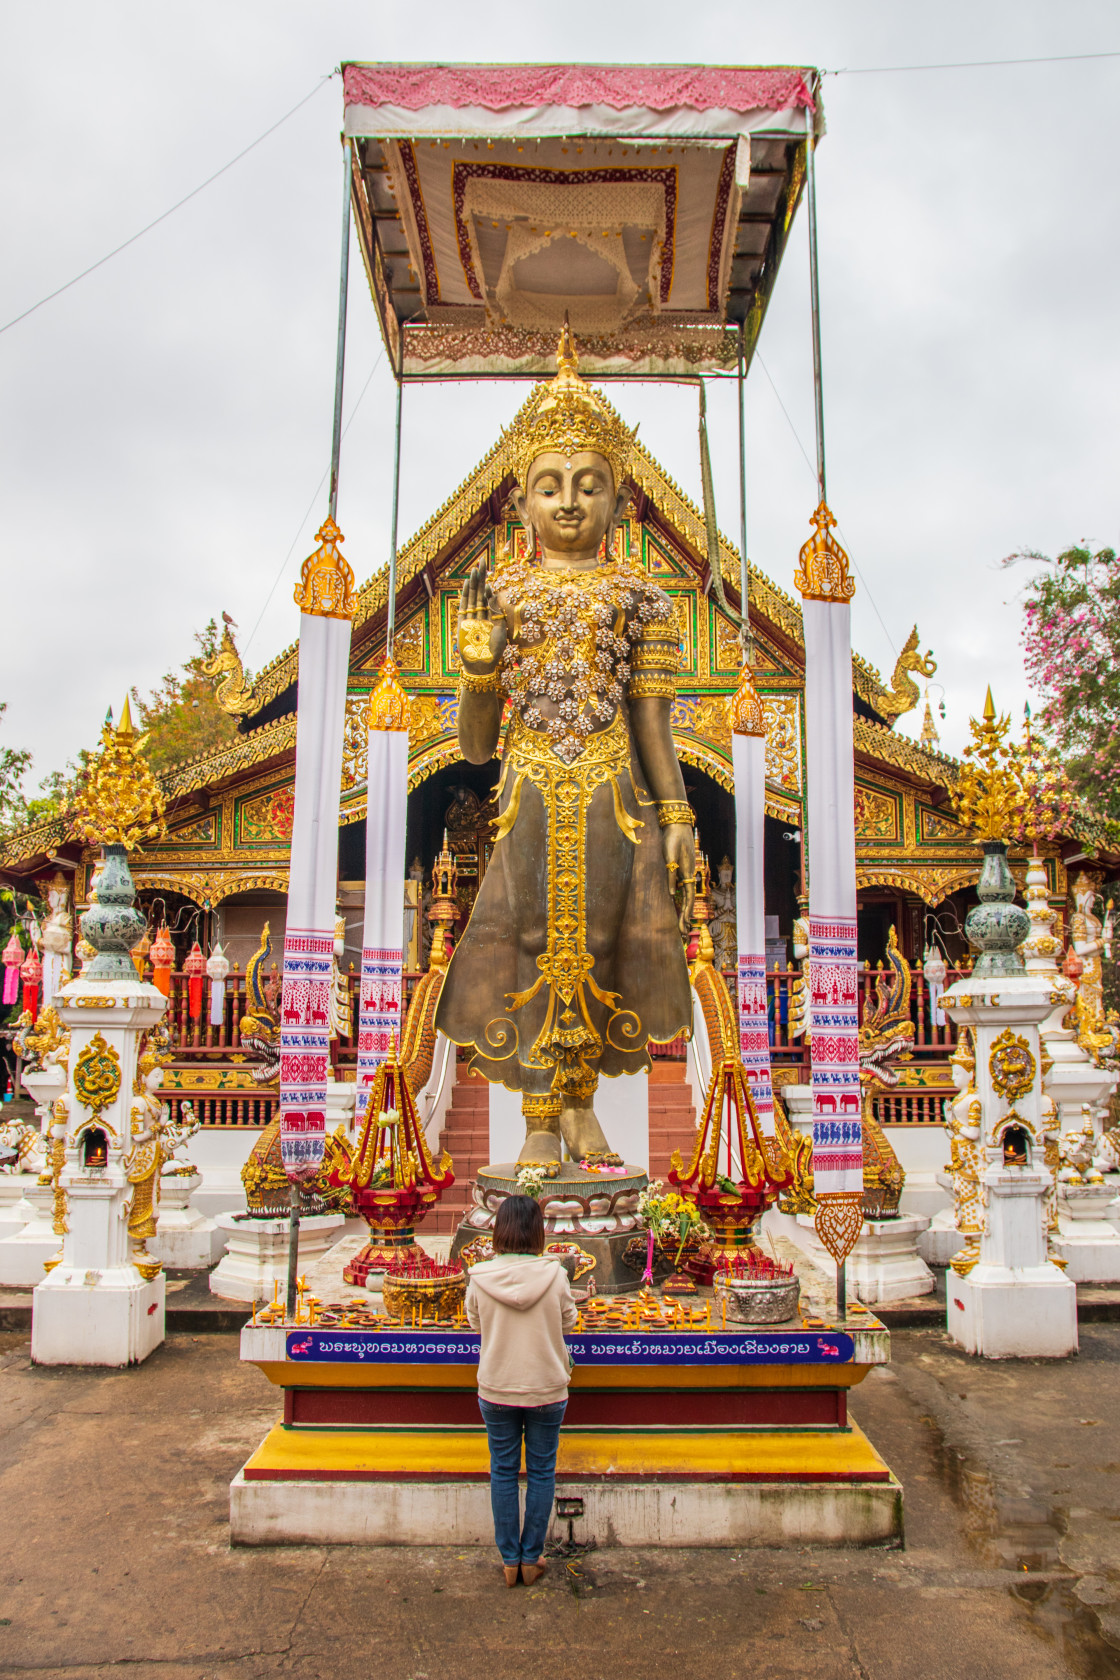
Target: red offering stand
392,1180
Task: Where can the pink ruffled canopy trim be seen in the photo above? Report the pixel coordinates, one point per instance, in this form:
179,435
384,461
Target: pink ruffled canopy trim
496,87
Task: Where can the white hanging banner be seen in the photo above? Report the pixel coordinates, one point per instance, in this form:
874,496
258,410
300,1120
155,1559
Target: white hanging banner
325,596
748,757
833,990
380,1015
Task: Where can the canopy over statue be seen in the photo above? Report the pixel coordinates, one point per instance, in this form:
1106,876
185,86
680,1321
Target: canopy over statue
572,959
651,202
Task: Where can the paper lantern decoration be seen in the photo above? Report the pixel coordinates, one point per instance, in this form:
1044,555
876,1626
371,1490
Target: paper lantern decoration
140,953
217,967
13,958
195,968
163,960
32,974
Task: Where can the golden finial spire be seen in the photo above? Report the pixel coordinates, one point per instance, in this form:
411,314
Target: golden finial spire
745,707
120,802
822,565
990,792
565,415
326,583
567,357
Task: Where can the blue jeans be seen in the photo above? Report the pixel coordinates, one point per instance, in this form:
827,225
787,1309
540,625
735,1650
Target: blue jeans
505,1426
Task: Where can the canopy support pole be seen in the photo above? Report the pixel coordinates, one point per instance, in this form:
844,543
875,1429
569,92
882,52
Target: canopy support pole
340,352
391,619
815,300
308,888
744,567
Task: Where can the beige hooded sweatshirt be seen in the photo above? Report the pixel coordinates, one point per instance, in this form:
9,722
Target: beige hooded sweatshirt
522,1304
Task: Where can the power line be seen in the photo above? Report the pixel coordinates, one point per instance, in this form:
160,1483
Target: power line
967,64
210,179
310,507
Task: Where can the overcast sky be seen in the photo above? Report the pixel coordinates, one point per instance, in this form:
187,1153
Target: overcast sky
166,421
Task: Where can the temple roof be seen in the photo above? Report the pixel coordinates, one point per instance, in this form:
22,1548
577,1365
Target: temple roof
494,477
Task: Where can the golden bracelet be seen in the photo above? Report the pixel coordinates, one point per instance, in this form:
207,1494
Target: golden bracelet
490,683
675,811
653,685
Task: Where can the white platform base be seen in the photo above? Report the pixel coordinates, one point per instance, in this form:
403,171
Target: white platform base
185,1238
256,1258
938,1245
15,1209
1088,1240
883,1266
23,1255
1028,1312
96,1318
615,1514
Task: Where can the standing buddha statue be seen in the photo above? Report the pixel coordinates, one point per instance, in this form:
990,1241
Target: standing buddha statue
572,959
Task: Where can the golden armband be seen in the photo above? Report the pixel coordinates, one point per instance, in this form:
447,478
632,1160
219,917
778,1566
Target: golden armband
675,811
654,656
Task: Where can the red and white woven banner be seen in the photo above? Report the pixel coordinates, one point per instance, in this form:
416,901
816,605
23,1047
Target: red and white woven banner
834,1021
304,1049
754,1036
379,1015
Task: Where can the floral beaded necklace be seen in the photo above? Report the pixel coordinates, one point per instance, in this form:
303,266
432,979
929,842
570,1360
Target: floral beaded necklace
570,644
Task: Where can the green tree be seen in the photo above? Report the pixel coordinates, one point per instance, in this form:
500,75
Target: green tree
15,762
181,717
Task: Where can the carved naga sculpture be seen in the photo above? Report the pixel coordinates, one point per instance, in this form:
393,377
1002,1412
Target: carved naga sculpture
886,1036
905,693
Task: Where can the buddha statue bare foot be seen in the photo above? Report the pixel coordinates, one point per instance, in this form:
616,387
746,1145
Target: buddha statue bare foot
582,1133
541,1146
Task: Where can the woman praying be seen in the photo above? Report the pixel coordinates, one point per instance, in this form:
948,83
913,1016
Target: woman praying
522,1304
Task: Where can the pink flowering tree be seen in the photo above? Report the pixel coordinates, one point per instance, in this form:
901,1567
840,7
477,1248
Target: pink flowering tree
1071,637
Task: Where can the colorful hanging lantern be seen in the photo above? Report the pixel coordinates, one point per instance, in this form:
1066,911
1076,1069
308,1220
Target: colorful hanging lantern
32,974
163,960
140,953
13,958
217,967
195,968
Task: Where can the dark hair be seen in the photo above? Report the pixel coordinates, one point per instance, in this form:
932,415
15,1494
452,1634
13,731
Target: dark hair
519,1227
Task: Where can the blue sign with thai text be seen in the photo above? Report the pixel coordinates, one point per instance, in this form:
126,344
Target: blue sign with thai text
461,1347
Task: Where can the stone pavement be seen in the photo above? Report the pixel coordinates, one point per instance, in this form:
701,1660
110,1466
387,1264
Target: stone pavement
114,1551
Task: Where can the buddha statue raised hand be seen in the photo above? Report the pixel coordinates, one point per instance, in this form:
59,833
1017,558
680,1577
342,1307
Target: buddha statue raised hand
572,959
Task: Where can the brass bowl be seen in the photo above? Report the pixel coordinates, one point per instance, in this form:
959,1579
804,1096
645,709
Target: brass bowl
436,1297
771,1300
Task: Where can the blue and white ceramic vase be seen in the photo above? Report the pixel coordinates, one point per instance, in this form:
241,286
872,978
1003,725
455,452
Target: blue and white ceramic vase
113,925
996,927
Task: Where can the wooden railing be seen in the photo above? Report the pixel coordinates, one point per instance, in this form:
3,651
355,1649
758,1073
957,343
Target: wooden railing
198,1045
224,1109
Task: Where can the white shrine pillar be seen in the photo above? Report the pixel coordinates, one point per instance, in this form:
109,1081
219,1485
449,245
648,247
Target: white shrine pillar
1014,1302
96,1306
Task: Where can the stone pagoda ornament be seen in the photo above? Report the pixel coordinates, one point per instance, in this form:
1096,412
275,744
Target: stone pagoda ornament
102,1301
1007,1298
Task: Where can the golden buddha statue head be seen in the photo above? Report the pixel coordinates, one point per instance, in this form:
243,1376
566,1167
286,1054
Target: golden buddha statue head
571,452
